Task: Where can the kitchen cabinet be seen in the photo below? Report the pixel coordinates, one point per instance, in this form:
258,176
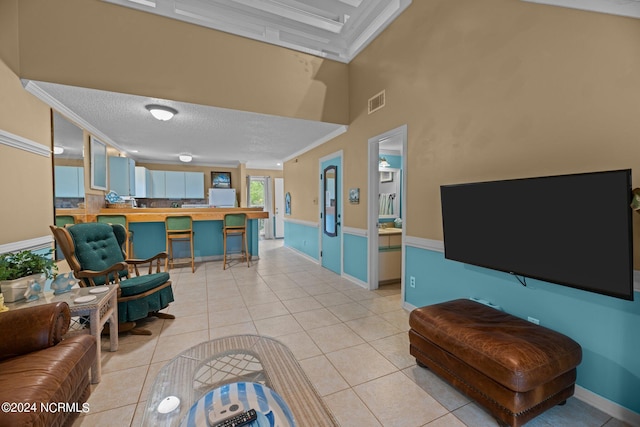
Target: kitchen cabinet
69,181
194,185
158,185
176,185
143,182
174,182
122,175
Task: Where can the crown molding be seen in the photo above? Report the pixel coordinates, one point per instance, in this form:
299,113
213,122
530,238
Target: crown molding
33,88
21,143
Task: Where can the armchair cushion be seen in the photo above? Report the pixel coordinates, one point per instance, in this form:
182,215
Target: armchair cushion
97,248
139,284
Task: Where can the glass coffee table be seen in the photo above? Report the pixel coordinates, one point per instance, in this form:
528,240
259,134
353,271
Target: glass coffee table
231,360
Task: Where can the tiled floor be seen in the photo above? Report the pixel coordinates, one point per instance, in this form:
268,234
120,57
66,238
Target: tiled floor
352,343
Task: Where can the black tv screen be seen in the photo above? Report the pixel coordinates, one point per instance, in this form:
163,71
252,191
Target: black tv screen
573,230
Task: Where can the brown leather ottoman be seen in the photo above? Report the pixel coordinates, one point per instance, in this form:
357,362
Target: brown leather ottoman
514,369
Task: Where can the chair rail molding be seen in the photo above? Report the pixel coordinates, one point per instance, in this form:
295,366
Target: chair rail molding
302,222
35,244
21,143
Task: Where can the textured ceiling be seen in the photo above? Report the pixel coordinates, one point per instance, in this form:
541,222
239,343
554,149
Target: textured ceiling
213,136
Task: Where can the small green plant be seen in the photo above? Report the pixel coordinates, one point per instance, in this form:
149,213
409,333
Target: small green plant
25,263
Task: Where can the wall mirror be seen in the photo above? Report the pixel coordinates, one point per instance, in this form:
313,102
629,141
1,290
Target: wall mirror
330,219
68,162
98,164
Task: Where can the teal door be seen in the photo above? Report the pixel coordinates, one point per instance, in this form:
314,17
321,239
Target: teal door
331,214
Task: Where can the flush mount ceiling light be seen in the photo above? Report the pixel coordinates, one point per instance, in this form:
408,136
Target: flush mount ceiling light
161,112
185,158
57,149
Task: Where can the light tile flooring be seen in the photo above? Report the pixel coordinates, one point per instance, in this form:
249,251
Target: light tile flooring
352,343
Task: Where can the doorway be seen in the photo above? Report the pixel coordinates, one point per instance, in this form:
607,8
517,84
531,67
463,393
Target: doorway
331,212
390,143
259,196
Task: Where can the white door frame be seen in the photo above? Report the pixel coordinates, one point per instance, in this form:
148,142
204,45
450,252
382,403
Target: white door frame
373,204
278,191
338,153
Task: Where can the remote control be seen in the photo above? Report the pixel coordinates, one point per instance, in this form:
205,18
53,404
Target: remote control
239,420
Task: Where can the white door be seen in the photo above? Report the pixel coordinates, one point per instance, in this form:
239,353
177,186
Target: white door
279,213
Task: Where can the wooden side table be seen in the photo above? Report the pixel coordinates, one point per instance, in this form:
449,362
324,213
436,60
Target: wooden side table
103,309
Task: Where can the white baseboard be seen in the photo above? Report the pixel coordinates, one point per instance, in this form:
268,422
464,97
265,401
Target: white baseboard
355,280
608,407
302,254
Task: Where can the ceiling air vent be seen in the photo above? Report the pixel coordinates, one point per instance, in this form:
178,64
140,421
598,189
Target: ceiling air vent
376,102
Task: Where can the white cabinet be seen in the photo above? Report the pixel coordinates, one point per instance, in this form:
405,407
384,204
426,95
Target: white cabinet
122,176
143,182
69,181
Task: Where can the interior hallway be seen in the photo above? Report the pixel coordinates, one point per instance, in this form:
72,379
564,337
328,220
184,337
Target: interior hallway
352,343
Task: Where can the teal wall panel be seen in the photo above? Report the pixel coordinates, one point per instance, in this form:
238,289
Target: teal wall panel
607,328
302,238
355,256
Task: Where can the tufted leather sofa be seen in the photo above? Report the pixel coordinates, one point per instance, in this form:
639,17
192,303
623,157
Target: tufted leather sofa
43,377
514,369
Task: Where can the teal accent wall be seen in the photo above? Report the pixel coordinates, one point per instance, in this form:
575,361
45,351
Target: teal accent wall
302,238
149,239
355,256
608,329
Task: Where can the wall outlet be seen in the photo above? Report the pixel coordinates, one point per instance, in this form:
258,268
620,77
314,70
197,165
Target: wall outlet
533,320
412,281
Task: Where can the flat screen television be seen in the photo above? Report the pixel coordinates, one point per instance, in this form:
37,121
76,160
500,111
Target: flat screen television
573,230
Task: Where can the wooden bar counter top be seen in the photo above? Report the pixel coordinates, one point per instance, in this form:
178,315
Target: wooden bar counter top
159,214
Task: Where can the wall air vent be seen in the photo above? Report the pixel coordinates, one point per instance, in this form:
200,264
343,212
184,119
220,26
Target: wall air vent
376,102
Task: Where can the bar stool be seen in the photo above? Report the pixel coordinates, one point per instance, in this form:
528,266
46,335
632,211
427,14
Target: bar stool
235,225
178,228
64,220
122,220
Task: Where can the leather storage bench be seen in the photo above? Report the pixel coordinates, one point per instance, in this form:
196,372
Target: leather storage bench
513,368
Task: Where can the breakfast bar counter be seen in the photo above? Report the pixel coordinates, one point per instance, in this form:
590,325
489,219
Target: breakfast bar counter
147,225
198,214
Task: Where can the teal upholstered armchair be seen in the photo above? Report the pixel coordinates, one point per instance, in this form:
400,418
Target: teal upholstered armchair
94,252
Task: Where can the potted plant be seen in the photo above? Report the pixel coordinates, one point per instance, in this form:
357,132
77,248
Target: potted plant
18,270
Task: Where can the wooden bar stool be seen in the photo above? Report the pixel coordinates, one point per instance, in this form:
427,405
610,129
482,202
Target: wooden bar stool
122,220
179,228
234,225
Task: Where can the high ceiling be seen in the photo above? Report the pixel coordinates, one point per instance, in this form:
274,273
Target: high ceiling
333,29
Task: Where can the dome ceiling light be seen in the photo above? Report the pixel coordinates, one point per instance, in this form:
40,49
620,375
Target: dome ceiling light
161,112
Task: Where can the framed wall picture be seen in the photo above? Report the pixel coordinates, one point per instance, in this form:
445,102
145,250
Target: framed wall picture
221,179
386,176
98,164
